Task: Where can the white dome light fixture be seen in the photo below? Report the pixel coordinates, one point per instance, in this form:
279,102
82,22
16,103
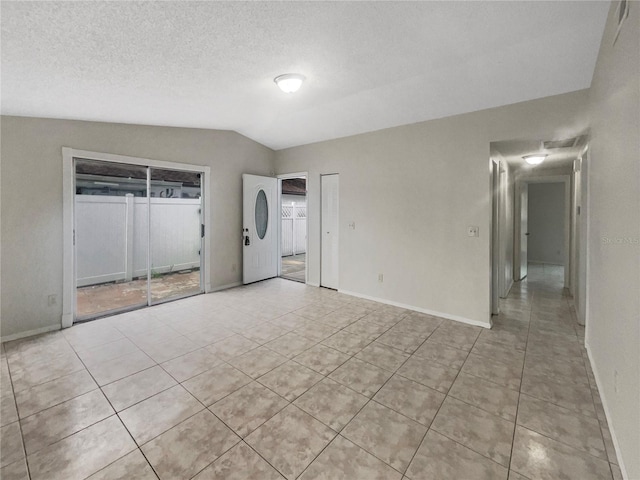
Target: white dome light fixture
289,82
535,159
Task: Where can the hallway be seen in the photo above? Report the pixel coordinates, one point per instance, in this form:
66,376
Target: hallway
560,413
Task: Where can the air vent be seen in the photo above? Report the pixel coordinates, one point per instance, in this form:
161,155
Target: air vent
568,143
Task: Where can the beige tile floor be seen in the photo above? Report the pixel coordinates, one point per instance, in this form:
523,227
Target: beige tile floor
279,379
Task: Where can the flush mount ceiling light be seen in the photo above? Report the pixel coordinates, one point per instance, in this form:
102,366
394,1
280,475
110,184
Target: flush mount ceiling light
289,82
535,159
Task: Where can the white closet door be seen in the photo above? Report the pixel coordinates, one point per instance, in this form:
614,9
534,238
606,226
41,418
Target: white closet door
329,265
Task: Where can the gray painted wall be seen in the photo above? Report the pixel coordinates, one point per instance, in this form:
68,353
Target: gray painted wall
613,309
31,233
546,223
412,191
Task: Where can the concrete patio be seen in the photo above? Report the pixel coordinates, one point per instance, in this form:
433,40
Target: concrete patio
95,299
293,267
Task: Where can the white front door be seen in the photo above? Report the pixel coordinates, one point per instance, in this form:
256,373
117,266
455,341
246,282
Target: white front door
524,229
329,256
259,228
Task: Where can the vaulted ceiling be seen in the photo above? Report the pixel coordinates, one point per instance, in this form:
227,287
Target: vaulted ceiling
369,65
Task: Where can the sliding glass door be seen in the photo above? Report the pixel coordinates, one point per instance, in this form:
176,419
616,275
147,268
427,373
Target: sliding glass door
175,234
137,235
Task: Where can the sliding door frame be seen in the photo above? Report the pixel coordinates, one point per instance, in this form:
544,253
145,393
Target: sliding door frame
68,202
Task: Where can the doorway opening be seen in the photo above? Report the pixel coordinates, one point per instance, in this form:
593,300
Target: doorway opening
543,227
293,228
137,234
547,252
534,216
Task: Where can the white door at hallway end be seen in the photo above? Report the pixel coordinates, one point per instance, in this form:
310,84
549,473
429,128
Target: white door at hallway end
259,228
329,265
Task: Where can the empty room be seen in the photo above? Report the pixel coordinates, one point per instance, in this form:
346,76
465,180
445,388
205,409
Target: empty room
320,240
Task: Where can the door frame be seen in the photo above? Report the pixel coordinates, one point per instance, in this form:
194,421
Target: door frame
281,177
68,218
580,284
517,238
495,236
566,180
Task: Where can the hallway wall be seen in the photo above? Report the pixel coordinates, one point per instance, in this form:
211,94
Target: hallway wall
613,309
546,223
412,191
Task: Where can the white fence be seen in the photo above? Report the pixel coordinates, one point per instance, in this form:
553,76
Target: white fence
294,229
112,232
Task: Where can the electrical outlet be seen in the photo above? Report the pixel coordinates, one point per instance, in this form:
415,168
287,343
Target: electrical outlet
473,231
380,277
52,300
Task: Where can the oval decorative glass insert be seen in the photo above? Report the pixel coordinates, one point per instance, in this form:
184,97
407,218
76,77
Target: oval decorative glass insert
262,214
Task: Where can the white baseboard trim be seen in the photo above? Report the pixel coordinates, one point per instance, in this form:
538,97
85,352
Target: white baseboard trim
607,414
224,287
418,309
30,333
542,262
67,320
509,288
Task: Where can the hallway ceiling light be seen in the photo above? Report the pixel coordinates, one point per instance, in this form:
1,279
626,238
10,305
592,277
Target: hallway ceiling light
535,159
289,82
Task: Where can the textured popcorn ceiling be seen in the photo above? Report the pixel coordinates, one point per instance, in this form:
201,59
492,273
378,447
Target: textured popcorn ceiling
369,65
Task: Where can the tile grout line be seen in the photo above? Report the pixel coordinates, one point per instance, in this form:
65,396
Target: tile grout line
231,393
24,446
524,362
440,407
117,414
84,428
394,373
351,356
402,473
119,419
338,433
